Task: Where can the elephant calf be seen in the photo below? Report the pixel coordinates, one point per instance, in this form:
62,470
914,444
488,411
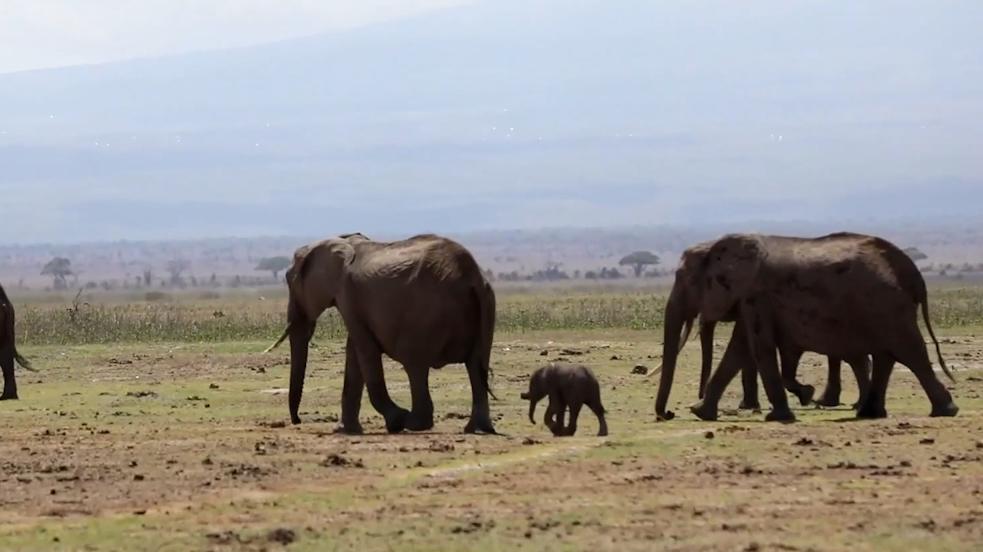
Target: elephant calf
8,350
567,385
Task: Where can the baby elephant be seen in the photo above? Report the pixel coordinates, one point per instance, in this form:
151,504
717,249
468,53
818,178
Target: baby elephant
568,385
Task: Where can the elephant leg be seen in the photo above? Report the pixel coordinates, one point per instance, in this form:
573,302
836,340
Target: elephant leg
791,357
872,405
749,383
7,364
559,429
706,357
763,346
370,363
831,395
549,419
351,393
480,421
914,355
421,417
735,356
861,370
575,407
598,409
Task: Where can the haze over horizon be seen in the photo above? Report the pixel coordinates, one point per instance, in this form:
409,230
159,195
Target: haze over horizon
463,116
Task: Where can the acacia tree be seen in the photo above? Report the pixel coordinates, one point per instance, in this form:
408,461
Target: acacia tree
639,260
175,268
274,265
59,269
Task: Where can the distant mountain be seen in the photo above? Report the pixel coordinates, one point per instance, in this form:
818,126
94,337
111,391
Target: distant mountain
512,114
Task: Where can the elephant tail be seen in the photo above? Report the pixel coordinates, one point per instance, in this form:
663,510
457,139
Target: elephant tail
486,332
931,332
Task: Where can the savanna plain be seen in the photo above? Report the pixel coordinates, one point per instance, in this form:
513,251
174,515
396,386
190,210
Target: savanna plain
160,424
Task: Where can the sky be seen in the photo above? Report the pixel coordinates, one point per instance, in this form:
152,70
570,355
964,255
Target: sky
36,34
255,118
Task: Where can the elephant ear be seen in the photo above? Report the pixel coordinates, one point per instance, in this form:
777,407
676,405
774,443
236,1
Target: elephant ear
732,267
318,273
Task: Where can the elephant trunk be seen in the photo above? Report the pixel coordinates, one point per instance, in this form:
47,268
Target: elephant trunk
675,320
532,409
301,331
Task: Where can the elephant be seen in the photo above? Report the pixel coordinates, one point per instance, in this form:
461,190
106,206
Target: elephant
8,348
790,357
422,301
567,385
843,295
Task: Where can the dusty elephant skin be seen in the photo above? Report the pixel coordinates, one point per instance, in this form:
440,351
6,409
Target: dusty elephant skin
567,386
422,301
8,348
842,295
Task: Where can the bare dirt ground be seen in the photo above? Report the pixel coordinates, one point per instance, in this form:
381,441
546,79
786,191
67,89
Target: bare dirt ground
185,447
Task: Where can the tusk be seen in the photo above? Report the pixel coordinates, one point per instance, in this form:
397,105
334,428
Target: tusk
682,342
283,337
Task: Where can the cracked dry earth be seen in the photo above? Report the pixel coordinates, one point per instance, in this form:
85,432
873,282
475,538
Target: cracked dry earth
185,447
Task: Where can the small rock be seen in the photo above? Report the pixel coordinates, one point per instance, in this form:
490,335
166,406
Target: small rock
640,369
927,441
708,435
282,536
213,386
544,353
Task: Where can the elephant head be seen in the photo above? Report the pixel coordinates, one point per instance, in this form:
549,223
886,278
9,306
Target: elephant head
537,390
316,281
712,279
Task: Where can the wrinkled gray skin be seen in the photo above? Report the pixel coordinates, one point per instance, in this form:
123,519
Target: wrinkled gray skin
422,301
790,358
8,348
843,295
567,386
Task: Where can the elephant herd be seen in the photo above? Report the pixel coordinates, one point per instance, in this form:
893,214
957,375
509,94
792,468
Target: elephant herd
425,303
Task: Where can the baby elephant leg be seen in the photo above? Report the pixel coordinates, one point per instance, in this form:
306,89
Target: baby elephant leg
575,406
554,417
598,409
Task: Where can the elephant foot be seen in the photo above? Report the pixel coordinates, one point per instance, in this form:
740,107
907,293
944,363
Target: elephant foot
748,404
664,416
829,399
396,421
483,425
295,419
704,411
805,394
871,411
349,429
947,410
783,415
419,422
8,397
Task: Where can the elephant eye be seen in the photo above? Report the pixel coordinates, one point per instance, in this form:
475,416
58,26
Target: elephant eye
723,282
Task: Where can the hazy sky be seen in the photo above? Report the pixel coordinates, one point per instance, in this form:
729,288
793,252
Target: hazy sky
404,116
51,33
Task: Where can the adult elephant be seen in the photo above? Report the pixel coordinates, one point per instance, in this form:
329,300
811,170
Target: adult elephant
8,348
422,301
790,357
843,295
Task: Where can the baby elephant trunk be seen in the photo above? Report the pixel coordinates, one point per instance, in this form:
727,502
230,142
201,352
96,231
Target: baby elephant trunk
532,406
